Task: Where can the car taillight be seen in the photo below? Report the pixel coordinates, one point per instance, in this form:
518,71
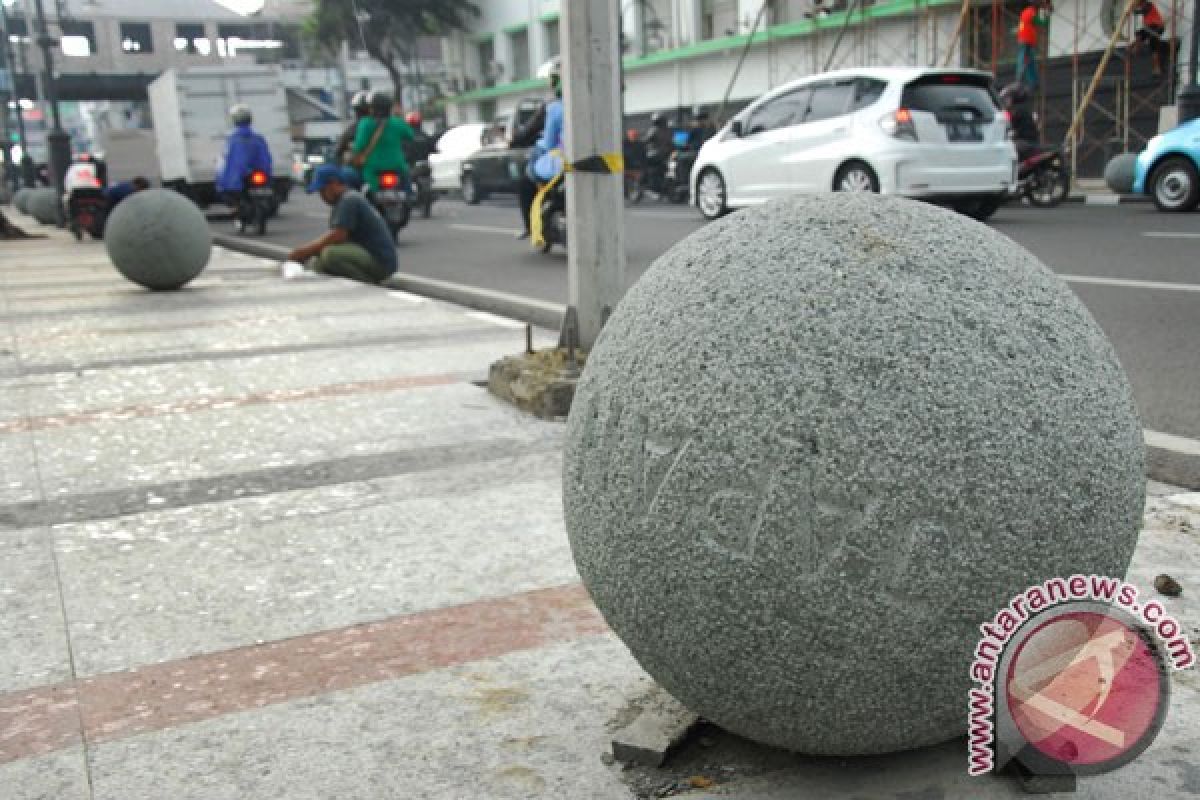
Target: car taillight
389,180
1007,117
899,124
258,178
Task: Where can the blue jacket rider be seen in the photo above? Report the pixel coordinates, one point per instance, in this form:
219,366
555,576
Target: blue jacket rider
245,152
545,163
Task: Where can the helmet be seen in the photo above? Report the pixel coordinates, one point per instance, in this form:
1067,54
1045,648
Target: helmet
360,102
413,118
551,70
381,103
658,118
241,114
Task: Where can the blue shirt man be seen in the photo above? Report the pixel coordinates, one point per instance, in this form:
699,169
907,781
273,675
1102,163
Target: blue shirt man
245,152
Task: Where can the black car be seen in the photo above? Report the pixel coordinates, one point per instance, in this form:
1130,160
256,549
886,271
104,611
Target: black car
497,167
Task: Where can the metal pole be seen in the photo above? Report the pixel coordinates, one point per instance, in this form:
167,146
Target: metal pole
592,96
1189,95
58,142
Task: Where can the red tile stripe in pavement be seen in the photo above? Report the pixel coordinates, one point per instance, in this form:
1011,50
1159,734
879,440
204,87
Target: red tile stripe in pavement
55,421
160,696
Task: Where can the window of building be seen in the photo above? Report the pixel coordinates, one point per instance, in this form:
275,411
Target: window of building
487,62
550,28
518,44
78,38
190,38
260,38
136,37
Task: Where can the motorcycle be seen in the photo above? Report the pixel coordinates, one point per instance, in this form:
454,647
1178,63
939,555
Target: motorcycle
256,204
667,181
87,212
392,201
1043,178
423,188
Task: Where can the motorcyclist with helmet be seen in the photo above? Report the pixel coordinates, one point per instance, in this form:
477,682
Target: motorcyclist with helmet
1026,135
379,142
421,145
246,151
361,108
660,141
547,160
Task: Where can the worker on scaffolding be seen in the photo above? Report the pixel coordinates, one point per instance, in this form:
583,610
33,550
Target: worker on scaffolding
1036,15
1150,34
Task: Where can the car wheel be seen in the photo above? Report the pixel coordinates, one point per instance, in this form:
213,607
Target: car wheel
855,176
1175,185
710,194
470,191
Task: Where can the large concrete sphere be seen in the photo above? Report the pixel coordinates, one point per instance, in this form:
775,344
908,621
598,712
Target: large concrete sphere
157,238
1119,173
820,442
21,200
43,206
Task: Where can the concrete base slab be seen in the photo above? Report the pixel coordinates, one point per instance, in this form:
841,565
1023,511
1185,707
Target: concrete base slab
661,723
541,382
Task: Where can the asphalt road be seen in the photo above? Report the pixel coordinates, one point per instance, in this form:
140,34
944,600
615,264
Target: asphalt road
1137,270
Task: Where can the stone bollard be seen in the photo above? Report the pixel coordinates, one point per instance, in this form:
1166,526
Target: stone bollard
43,206
21,200
820,442
1119,172
157,238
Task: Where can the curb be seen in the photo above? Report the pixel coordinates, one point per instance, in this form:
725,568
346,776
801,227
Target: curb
1169,459
540,313
1106,199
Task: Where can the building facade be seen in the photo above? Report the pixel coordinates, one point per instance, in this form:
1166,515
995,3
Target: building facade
724,53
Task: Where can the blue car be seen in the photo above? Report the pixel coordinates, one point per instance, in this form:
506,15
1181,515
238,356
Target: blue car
1169,168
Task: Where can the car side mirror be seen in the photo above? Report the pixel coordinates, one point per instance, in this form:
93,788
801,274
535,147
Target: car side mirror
735,127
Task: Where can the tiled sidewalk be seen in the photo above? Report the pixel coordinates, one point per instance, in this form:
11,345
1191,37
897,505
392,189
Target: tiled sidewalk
265,539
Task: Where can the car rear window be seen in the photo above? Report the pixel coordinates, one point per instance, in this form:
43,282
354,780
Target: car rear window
949,94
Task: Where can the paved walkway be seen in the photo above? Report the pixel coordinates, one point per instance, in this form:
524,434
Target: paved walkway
266,539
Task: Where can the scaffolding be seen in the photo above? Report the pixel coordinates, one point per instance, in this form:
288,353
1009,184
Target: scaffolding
1123,110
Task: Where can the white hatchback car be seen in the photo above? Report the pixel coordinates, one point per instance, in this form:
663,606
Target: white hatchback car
933,134
456,146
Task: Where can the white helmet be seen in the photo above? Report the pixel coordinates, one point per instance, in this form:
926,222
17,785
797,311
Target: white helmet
241,114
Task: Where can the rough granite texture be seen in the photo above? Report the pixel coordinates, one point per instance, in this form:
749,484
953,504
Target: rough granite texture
1119,173
43,205
820,442
157,238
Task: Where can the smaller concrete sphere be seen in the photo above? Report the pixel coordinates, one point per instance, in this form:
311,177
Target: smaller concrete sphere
43,206
159,239
1119,173
21,200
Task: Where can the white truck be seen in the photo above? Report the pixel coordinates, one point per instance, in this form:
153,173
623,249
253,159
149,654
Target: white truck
190,110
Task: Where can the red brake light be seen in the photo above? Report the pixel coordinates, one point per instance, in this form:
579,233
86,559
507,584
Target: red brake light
903,116
258,178
388,180
951,79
